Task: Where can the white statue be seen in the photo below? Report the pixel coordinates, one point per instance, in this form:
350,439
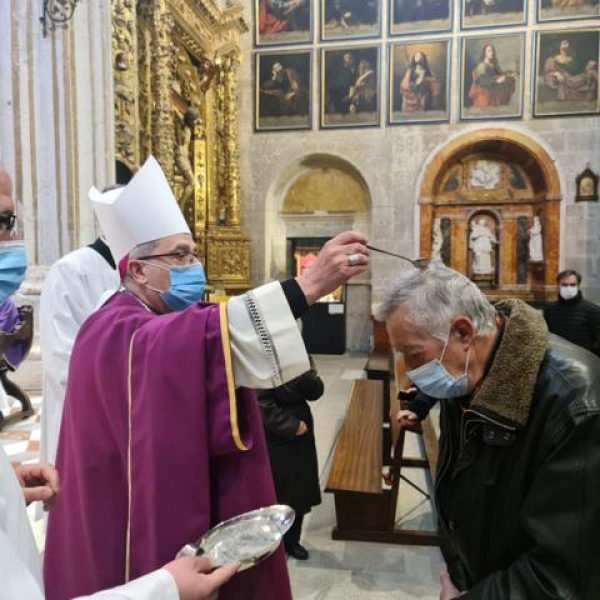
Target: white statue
437,240
481,239
536,249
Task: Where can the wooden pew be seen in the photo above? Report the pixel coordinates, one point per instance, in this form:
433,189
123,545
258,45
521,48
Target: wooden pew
380,367
365,508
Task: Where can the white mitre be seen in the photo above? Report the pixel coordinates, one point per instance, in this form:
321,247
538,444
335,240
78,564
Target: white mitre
143,211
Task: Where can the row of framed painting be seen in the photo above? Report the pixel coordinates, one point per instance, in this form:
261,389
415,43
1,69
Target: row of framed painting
493,79
280,22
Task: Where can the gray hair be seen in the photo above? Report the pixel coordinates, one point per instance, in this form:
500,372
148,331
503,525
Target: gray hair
142,250
437,295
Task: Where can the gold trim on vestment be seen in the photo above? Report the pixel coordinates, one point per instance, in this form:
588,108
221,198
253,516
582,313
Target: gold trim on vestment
129,491
225,344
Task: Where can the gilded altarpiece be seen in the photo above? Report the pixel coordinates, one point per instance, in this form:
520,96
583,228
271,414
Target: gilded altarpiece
175,70
490,209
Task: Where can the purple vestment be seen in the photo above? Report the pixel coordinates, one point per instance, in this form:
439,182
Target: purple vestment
9,319
155,448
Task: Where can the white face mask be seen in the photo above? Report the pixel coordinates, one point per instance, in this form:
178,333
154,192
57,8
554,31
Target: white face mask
568,292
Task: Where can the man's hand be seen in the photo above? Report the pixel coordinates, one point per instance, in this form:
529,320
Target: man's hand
406,415
448,590
39,482
302,428
341,258
195,578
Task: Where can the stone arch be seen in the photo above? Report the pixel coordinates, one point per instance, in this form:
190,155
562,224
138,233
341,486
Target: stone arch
524,183
307,198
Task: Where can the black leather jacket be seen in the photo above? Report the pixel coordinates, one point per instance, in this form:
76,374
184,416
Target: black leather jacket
518,481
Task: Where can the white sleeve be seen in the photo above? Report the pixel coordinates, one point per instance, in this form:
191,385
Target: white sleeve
64,305
266,345
158,585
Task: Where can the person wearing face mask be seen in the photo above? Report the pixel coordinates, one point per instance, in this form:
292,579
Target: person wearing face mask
13,320
20,568
519,449
572,316
161,437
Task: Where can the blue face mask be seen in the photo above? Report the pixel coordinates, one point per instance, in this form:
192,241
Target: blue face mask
433,379
187,286
13,265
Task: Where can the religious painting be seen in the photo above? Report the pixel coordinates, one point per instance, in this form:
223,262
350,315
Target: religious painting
492,77
477,14
566,73
283,90
350,19
278,22
409,17
419,82
350,87
563,10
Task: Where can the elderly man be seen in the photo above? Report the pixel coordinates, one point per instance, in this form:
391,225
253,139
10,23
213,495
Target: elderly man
161,436
20,569
517,479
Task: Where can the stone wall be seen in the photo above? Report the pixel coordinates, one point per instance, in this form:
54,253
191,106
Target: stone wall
391,160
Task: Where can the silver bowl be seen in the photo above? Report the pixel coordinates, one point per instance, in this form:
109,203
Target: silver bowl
248,538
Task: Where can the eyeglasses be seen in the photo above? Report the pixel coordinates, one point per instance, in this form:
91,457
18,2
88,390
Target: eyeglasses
7,222
183,256
420,263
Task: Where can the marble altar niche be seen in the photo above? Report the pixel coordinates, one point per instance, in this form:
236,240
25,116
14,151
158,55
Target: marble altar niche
489,208
175,73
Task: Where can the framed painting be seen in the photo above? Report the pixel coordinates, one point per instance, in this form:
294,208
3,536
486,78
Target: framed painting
564,10
280,22
350,82
419,82
409,17
350,19
566,73
477,14
492,77
283,90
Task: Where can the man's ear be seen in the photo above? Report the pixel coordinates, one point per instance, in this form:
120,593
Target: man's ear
135,269
465,330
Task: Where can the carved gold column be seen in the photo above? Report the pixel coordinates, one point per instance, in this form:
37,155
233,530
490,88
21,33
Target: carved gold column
163,135
124,59
229,68
228,262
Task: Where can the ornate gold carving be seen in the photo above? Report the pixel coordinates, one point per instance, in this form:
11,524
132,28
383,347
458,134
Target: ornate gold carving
176,90
125,82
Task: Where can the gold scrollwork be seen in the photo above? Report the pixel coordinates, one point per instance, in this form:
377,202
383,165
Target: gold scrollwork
175,68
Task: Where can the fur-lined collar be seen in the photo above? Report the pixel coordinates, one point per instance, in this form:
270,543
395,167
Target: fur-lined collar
508,387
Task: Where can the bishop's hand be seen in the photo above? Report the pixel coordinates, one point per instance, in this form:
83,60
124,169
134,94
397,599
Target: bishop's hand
341,258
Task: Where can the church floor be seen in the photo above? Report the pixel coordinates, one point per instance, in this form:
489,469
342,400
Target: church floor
335,570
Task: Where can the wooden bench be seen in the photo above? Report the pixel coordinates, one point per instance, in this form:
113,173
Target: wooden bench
365,508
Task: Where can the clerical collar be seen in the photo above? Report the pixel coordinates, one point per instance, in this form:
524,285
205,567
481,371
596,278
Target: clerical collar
146,306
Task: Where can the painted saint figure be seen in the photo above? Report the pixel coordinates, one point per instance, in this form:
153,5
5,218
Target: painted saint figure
363,92
491,85
420,89
285,89
283,15
571,80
